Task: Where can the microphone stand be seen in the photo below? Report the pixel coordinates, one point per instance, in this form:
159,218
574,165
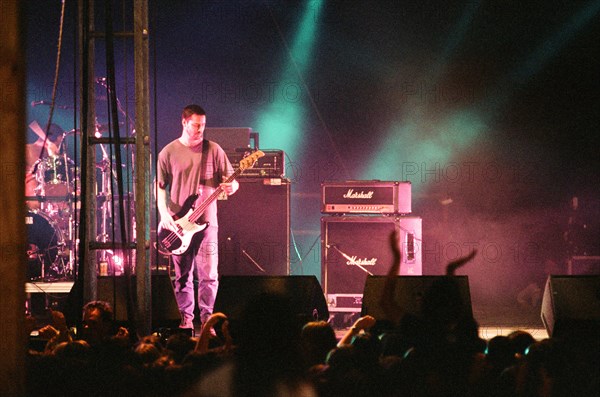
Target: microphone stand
252,261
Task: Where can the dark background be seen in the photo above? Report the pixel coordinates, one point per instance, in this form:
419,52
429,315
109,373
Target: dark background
489,108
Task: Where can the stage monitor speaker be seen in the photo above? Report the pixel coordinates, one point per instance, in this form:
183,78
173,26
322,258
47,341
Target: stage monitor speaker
353,247
571,305
165,312
304,292
254,229
408,294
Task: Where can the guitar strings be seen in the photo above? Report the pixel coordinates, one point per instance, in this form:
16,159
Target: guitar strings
173,236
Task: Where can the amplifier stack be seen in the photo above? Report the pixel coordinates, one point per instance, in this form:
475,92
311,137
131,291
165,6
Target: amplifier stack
358,219
254,232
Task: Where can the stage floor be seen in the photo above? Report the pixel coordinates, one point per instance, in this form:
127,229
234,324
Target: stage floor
485,332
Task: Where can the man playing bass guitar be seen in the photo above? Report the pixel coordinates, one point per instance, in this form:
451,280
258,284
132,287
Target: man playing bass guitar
190,166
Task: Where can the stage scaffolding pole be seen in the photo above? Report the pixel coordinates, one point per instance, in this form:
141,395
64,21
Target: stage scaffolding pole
142,165
142,312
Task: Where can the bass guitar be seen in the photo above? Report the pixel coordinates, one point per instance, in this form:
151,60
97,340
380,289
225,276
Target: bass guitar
188,218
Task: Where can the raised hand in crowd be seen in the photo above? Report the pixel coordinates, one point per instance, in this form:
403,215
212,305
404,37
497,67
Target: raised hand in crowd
362,324
57,332
208,332
392,311
452,266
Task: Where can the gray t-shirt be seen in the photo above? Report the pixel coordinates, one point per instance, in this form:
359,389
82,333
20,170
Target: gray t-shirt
179,171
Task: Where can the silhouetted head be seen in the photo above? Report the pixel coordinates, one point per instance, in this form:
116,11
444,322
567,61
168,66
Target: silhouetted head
97,321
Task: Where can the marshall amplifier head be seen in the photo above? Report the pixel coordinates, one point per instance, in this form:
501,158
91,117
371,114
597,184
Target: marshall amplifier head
366,197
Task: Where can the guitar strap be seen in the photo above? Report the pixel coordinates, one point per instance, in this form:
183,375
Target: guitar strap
203,163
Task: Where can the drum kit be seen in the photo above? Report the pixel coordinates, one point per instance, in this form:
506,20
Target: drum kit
52,217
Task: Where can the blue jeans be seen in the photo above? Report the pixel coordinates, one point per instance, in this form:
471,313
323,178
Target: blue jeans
199,262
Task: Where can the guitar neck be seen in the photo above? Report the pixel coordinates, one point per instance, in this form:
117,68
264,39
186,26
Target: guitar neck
198,211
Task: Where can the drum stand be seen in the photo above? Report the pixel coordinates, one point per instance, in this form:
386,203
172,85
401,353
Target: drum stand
105,196
74,206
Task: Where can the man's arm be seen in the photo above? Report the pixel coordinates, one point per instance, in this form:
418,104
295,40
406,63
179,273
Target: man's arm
166,220
227,169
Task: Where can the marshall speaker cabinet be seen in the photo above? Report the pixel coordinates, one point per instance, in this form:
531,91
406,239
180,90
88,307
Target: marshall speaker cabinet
366,197
254,229
354,247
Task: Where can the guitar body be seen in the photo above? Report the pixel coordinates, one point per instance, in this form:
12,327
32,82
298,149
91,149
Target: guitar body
178,242
188,219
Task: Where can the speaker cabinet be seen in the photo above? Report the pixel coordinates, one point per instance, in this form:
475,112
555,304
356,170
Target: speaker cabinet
164,306
254,229
354,247
571,305
229,138
408,293
304,292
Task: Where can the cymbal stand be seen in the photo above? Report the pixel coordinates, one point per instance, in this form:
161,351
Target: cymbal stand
73,199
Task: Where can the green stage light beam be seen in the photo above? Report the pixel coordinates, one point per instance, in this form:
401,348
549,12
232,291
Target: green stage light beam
540,57
281,122
463,27
544,53
416,149
417,137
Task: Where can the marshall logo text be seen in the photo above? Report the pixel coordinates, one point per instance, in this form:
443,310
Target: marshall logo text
353,261
351,194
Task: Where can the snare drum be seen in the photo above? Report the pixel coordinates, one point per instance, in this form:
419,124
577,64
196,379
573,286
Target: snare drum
45,246
54,177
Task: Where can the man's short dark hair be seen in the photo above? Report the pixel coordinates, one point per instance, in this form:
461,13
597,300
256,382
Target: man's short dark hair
190,110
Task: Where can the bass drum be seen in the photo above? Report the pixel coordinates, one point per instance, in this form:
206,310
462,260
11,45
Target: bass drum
46,245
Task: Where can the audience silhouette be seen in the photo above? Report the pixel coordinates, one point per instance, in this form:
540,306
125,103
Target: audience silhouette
269,351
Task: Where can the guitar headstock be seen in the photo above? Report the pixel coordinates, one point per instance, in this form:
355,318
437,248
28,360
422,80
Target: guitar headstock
248,161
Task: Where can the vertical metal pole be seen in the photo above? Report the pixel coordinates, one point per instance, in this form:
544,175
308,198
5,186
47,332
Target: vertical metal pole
87,263
142,165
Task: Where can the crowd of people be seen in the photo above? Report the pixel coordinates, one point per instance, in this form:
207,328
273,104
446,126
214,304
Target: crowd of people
269,351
